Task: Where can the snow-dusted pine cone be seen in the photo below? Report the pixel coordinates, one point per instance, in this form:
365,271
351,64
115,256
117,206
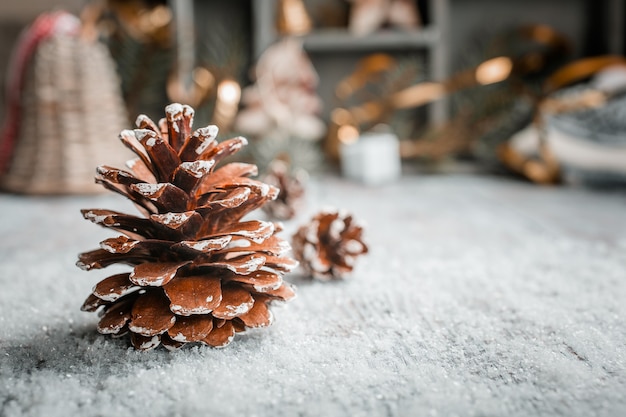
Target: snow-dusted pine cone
328,245
200,273
291,195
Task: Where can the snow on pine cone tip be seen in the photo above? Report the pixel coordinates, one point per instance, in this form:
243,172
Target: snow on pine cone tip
199,272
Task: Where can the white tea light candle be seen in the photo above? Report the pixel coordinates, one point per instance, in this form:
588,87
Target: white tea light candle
374,158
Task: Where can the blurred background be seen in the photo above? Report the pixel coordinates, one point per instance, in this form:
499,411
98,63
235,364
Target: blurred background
369,89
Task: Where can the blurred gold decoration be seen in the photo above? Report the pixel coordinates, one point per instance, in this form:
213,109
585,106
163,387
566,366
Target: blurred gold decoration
144,23
487,115
490,71
366,16
370,112
227,103
138,34
449,139
348,134
494,70
293,18
367,69
579,70
222,50
210,60
342,129
202,85
187,84
543,166
377,75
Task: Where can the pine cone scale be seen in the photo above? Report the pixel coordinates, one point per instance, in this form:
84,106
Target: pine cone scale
125,245
259,281
191,329
194,295
114,287
220,336
232,199
183,225
129,139
144,343
116,176
179,119
170,344
255,230
165,196
115,318
199,142
144,122
285,292
204,246
233,170
151,314
224,149
123,223
271,246
279,263
160,150
190,174
235,302
141,170
259,315
242,265
155,274
92,303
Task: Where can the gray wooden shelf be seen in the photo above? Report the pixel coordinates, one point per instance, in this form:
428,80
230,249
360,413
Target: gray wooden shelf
331,40
432,40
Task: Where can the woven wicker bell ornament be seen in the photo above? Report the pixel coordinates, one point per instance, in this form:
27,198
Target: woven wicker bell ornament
64,105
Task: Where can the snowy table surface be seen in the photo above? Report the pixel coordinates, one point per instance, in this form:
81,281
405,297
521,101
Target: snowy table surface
480,296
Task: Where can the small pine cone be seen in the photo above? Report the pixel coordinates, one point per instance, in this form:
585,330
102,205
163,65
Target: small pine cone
200,273
291,194
328,245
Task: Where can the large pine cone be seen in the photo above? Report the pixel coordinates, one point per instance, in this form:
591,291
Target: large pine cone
200,273
328,245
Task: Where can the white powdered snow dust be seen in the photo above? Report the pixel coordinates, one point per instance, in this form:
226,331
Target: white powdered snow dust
479,297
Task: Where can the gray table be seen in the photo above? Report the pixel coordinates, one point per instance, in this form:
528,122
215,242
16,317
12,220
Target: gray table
480,297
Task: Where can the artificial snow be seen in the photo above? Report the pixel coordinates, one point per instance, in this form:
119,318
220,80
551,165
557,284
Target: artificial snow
198,168
239,243
148,189
479,297
209,134
175,308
